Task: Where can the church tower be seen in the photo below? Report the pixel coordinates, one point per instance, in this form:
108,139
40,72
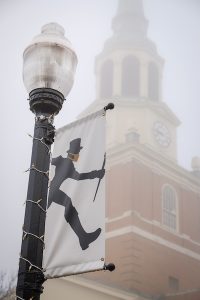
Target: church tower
152,204
129,73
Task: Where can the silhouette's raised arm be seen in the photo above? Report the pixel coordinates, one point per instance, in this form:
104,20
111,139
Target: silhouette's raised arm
89,175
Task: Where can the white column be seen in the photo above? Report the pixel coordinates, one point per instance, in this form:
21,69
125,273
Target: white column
143,79
117,76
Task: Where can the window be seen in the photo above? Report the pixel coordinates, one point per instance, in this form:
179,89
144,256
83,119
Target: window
173,284
130,77
153,87
132,136
169,207
106,88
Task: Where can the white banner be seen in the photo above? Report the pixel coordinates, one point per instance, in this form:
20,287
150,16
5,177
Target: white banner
75,223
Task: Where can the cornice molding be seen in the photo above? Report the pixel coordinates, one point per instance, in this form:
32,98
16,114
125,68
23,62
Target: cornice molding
155,238
161,108
159,163
155,223
103,289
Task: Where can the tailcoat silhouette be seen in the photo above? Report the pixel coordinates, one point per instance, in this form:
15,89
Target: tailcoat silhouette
65,169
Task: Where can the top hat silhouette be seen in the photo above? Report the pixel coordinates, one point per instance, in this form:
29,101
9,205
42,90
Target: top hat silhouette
75,146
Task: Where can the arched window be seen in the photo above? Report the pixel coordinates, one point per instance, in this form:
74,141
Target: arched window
130,77
153,86
169,207
106,87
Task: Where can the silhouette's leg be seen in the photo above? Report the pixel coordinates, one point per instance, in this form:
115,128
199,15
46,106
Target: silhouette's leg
71,216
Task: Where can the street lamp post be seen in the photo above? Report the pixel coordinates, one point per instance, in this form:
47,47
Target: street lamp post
48,74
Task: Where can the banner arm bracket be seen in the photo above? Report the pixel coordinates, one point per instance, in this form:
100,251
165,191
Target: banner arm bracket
109,106
109,267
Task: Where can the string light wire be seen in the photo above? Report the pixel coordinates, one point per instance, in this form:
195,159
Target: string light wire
46,173
31,265
41,238
37,203
41,140
17,297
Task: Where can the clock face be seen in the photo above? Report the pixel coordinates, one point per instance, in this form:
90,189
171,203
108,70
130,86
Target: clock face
161,134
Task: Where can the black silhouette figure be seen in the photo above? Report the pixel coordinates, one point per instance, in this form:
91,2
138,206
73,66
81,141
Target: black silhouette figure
65,169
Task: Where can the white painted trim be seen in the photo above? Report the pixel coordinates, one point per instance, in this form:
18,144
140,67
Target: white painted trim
128,213
152,237
119,294
157,162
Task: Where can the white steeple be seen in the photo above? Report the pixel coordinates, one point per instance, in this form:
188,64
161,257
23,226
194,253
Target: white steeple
130,19
129,74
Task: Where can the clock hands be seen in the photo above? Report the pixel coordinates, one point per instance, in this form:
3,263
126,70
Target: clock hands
161,133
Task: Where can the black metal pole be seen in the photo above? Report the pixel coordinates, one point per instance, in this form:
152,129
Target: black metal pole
44,103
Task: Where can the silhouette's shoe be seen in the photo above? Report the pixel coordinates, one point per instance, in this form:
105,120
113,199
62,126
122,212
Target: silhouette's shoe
88,238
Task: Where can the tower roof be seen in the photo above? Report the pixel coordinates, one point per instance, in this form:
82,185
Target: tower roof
130,28
130,6
130,19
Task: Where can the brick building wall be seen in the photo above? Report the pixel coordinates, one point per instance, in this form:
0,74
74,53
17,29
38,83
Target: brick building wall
150,258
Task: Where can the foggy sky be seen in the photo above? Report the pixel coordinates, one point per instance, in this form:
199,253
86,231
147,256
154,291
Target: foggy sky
174,25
